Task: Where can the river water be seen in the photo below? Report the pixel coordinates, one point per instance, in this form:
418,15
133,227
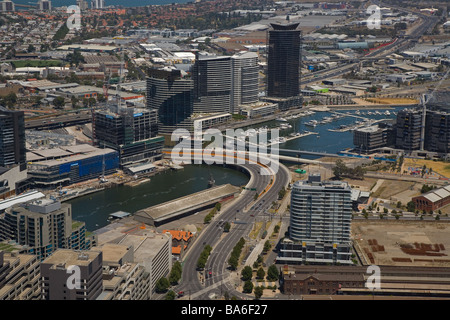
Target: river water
94,209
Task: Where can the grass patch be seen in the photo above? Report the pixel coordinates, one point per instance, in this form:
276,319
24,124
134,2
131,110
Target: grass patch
441,167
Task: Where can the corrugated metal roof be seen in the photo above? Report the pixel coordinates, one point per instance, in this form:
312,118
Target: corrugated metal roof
432,197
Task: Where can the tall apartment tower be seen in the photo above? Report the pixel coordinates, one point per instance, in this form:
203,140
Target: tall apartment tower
7,6
19,276
172,95
58,282
245,75
42,226
12,138
212,77
83,5
44,5
97,4
283,65
319,230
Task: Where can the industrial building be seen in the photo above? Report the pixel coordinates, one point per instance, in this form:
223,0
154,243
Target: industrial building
171,210
319,229
432,200
351,280
50,168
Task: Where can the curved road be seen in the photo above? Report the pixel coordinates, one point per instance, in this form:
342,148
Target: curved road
242,222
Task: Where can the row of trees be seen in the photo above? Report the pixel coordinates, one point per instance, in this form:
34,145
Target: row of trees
201,262
163,284
233,261
212,213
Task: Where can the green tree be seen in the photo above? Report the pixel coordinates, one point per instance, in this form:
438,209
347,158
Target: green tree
175,273
267,246
272,273
170,295
247,273
58,102
162,285
340,169
258,291
248,287
227,227
260,274
410,206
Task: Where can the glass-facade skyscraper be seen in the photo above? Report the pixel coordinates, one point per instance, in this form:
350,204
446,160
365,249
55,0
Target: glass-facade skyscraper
284,54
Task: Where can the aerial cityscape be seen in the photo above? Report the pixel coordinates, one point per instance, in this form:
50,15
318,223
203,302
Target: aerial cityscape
224,150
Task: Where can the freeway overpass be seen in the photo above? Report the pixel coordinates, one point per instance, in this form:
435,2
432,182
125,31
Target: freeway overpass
58,122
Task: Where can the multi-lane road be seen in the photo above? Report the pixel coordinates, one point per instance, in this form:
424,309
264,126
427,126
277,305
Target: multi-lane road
241,216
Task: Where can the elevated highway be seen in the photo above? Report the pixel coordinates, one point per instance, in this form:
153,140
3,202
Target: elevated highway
267,187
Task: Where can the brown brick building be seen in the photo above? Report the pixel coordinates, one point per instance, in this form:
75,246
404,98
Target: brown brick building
305,280
433,200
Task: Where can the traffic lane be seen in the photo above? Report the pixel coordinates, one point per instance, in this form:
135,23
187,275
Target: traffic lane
226,247
190,277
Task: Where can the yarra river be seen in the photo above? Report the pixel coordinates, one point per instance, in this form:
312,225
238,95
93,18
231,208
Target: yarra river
95,208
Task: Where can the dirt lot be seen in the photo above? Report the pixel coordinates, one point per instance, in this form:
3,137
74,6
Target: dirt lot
399,243
397,190
392,100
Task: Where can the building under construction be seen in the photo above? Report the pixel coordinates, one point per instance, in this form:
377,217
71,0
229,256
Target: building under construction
129,130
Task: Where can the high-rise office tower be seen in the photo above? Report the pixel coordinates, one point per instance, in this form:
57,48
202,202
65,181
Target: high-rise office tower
212,77
44,5
172,95
7,6
283,64
245,75
408,129
83,5
59,278
97,4
42,226
319,230
12,138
